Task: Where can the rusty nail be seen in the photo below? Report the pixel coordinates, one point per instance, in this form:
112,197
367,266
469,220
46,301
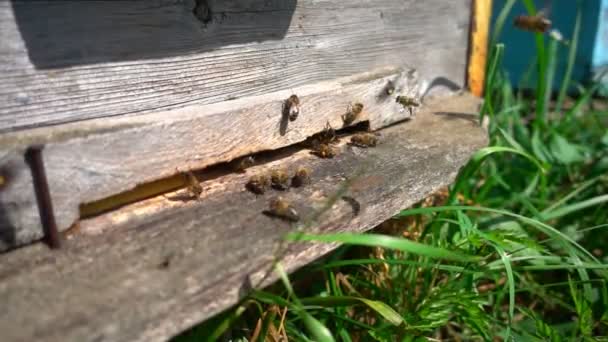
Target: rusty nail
33,156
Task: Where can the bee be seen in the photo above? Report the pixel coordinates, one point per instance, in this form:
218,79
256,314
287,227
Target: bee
327,136
407,102
390,88
258,184
364,140
239,165
291,107
281,208
193,187
2,180
355,205
301,177
323,151
532,23
352,113
279,179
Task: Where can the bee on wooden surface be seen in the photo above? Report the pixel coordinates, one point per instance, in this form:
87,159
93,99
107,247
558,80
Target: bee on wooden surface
354,204
258,184
323,151
533,23
240,164
291,107
389,89
327,136
364,140
352,113
281,208
301,177
279,179
193,186
407,102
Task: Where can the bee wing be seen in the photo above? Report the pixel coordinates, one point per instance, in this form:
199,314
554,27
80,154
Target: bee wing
545,11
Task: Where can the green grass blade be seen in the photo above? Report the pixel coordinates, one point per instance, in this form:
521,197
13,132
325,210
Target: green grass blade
571,59
548,84
545,228
569,196
568,209
495,62
381,308
510,284
500,21
317,329
377,240
584,98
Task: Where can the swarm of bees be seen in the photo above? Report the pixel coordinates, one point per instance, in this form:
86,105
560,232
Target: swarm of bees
533,23
352,113
280,179
291,107
364,140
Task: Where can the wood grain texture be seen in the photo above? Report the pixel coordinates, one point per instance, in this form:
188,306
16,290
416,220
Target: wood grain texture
478,54
98,59
86,163
18,207
108,283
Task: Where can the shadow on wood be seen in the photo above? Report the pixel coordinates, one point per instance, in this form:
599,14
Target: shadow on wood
66,33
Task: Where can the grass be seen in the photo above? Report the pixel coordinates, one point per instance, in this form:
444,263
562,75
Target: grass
514,251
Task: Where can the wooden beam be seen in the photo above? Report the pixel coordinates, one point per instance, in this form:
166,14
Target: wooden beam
151,269
18,207
97,160
97,59
478,45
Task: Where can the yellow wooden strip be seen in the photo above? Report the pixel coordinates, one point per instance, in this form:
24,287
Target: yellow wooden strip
480,28
139,193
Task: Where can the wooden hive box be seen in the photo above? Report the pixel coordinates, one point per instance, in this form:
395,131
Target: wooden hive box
121,97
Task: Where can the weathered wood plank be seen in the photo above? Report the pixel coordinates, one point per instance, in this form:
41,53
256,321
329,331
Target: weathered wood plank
18,207
111,58
116,286
119,154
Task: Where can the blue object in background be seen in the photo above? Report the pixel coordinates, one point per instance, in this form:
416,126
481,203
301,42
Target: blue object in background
592,51
600,52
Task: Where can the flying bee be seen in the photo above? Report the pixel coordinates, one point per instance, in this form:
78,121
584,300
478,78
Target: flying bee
533,23
301,177
352,113
364,140
258,184
279,179
407,102
323,151
291,107
281,208
239,165
193,187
